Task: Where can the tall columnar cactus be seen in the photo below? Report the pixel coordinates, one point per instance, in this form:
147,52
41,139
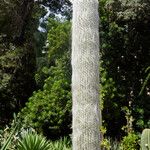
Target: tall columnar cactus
145,139
85,75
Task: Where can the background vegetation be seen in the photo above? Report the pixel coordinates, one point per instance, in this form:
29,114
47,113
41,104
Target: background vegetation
35,69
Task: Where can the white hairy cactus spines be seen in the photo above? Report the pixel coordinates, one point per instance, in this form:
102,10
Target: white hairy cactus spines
145,139
85,75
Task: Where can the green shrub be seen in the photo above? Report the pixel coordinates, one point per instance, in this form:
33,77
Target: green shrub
49,110
62,144
15,138
7,142
130,142
110,144
114,144
8,136
32,141
105,144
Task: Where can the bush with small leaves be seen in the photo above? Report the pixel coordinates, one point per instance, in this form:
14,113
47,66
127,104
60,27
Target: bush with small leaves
130,142
49,110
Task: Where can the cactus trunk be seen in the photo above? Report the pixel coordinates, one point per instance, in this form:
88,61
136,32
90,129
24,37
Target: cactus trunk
145,139
85,75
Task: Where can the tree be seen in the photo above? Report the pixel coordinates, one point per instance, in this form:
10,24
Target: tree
49,109
15,16
18,22
15,78
85,75
125,56
62,7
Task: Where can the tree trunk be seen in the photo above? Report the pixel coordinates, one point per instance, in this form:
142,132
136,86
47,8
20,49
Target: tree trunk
85,75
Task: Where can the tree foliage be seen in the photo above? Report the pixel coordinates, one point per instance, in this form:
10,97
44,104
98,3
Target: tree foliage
15,78
17,55
125,56
124,72
61,7
49,109
14,18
